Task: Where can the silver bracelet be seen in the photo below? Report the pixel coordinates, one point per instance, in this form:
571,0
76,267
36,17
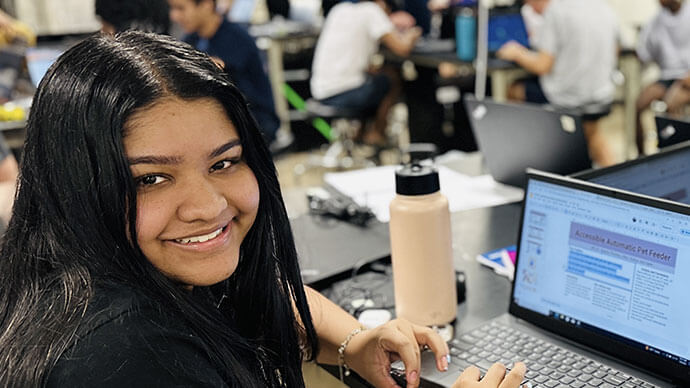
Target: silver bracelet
341,352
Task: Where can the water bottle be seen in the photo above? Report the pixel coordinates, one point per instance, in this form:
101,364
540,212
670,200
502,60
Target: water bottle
466,34
421,248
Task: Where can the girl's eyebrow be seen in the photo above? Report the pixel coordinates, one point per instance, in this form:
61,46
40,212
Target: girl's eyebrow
172,160
218,151
154,159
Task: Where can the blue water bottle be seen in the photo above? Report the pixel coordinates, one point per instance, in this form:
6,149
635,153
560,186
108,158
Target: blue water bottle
466,34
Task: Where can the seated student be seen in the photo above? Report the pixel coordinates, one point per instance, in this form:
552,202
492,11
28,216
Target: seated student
15,37
340,70
234,50
142,15
8,181
575,58
665,41
149,245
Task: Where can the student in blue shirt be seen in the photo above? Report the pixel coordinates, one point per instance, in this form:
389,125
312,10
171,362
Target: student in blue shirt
233,50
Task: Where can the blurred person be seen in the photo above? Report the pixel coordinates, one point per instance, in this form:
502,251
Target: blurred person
12,30
9,170
142,15
575,57
665,40
341,72
15,37
232,49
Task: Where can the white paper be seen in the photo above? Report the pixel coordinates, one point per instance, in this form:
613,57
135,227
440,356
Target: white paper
375,188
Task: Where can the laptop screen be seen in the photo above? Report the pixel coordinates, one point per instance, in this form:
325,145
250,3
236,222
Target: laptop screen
38,60
607,265
504,27
664,176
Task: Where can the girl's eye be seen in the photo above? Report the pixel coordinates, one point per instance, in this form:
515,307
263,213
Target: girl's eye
149,180
223,164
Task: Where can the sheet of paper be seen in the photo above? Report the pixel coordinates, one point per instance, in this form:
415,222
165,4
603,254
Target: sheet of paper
375,188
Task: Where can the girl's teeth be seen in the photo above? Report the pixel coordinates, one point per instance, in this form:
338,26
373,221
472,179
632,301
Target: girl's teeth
200,239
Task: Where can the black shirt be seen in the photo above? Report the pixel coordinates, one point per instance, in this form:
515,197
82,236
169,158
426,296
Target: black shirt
126,340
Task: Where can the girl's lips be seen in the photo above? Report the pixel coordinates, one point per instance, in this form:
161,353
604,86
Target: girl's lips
206,242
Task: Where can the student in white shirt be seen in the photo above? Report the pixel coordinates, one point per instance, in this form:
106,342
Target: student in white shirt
341,73
575,58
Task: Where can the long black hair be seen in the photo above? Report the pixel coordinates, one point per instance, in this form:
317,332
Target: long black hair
74,220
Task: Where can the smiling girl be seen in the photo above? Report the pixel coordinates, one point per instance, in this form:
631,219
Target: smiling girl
149,244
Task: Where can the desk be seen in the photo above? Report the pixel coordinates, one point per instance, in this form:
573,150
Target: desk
502,72
475,231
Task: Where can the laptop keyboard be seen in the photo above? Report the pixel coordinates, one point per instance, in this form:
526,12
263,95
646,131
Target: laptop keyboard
548,365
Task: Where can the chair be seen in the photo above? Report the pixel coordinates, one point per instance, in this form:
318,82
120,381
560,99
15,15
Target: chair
341,153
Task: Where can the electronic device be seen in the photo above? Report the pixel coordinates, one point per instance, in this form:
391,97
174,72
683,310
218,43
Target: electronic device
39,60
505,26
665,174
671,130
513,137
600,292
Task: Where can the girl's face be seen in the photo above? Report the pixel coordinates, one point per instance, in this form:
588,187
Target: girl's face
196,197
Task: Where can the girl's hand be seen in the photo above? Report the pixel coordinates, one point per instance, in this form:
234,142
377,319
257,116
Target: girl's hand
371,352
495,377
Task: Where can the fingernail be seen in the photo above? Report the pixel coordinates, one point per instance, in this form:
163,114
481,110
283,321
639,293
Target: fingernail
446,361
412,377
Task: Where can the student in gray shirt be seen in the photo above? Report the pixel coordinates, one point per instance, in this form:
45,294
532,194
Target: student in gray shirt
575,56
665,41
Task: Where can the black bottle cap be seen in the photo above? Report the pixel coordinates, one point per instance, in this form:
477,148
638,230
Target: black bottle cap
416,179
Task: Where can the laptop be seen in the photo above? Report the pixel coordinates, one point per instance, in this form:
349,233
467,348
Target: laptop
671,130
600,295
512,137
504,26
38,60
665,174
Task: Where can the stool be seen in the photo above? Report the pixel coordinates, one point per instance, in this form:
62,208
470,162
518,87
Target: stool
345,123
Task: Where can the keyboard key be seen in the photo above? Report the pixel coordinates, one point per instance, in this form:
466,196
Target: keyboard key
551,383
541,379
574,373
483,364
531,374
584,378
613,380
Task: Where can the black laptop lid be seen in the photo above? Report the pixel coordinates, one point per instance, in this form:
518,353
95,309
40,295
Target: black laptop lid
513,137
672,130
608,269
665,174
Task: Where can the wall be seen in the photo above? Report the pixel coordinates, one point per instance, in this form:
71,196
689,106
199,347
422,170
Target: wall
57,17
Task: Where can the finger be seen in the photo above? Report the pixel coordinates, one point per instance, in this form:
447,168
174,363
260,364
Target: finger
469,375
515,377
430,338
407,349
494,375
